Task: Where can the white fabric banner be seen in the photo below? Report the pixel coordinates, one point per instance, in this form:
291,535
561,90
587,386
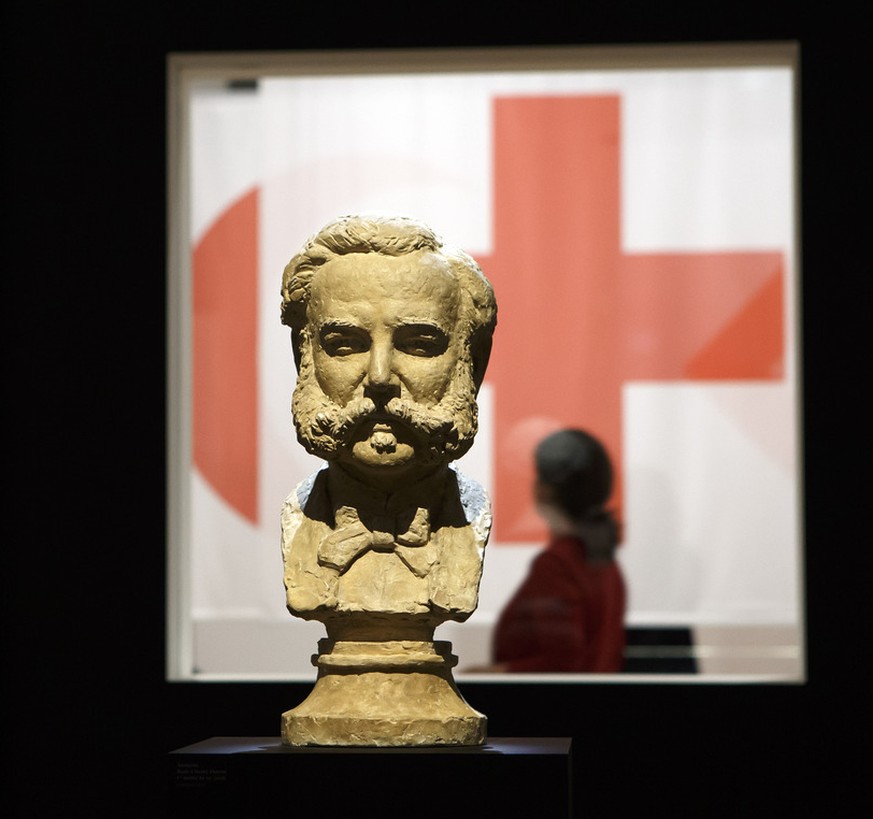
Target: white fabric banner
710,464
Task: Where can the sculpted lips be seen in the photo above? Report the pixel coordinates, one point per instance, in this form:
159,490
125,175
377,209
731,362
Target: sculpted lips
382,434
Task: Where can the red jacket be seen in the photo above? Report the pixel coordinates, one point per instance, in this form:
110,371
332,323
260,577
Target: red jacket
567,616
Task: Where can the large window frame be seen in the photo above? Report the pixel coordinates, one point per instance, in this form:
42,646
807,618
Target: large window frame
240,69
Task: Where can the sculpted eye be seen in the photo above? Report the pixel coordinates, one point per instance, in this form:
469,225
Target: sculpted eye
339,341
421,340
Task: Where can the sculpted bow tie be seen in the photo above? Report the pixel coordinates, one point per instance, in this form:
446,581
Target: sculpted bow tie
351,538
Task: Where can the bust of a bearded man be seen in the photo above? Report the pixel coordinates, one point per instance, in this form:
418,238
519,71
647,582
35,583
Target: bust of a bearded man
391,333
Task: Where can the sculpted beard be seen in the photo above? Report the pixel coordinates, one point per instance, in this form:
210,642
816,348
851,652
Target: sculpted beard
324,427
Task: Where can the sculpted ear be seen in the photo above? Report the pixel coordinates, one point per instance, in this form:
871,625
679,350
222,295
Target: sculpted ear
480,353
297,345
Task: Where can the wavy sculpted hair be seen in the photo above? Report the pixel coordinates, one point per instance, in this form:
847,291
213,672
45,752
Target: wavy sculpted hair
391,236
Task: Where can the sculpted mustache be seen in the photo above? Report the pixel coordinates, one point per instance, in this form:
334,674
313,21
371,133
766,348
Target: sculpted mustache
342,420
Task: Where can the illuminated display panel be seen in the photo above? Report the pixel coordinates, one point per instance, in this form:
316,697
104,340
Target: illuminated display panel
635,210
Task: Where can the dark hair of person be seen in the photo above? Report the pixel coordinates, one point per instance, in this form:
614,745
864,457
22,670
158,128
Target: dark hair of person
578,469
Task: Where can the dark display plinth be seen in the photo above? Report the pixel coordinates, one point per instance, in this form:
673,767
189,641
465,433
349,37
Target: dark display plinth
244,776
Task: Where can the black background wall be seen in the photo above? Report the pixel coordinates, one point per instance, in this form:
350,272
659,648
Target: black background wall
88,716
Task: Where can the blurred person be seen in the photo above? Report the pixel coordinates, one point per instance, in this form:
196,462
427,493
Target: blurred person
568,614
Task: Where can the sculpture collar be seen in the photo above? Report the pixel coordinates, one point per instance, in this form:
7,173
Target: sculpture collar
427,493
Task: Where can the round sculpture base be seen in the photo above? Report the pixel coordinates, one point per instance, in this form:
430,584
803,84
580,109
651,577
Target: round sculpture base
383,694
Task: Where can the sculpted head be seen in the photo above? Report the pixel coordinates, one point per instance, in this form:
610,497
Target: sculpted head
391,333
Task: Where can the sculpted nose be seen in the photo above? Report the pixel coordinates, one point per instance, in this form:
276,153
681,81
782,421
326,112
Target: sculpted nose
380,375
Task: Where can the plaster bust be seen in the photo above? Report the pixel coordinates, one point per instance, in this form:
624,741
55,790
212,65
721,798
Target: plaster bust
391,333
